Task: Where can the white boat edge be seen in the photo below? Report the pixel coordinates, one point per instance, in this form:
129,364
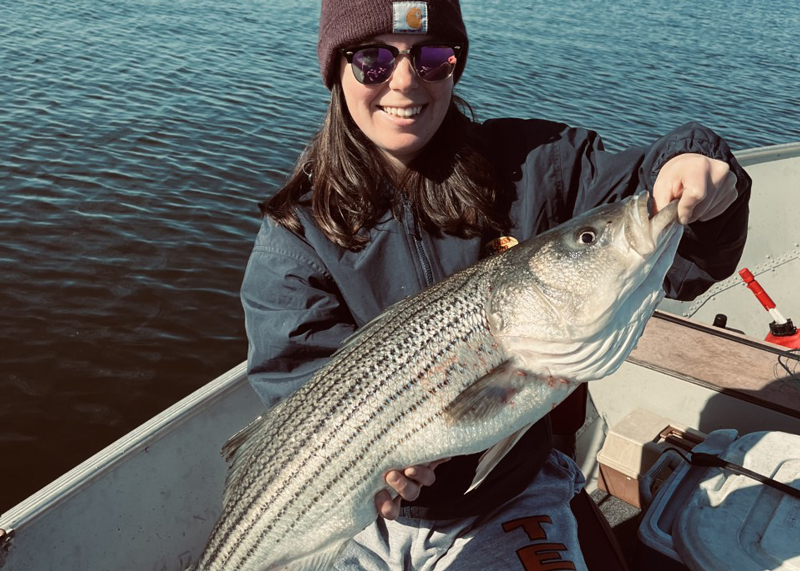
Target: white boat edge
756,155
74,481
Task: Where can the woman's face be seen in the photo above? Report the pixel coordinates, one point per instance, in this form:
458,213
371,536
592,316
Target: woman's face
380,110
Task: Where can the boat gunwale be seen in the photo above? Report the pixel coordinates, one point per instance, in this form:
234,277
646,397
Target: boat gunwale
116,453
758,155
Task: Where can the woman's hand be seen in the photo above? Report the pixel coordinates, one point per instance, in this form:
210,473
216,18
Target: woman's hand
704,187
407,483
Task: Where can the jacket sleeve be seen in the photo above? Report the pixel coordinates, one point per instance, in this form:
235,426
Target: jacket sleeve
709,251
295,317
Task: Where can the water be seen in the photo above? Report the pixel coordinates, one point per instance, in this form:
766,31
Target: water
137,137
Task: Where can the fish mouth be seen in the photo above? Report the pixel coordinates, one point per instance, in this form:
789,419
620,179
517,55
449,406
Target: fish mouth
646,233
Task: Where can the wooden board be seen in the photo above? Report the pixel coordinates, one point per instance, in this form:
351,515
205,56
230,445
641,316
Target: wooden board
722,360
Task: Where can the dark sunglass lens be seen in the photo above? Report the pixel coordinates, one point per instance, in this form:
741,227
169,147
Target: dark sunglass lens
435,63
373,65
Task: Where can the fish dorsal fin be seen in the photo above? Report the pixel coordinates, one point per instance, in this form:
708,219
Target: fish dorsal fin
487,396
235,442
236,448
319,561
493,455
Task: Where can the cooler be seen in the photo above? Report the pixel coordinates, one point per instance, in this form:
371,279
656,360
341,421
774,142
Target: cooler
710,519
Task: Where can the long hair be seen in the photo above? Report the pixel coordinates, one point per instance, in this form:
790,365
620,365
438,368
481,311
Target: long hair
450,185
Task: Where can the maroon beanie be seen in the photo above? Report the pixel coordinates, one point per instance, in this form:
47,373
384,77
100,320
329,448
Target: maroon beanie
346,23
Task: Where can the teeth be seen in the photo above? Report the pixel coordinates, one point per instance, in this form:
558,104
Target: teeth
403,111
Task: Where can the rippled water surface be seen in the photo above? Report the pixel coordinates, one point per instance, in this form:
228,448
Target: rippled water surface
136,138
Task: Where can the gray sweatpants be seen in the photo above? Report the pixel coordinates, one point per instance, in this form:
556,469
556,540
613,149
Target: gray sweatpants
534,531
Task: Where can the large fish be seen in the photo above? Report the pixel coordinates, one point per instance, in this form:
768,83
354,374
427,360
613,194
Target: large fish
464,366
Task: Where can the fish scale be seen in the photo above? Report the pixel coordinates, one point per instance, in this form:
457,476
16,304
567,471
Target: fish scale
453,370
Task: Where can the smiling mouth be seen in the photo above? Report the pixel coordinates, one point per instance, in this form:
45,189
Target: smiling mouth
403,112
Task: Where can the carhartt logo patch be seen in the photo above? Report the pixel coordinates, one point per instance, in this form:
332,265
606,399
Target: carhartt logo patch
499,245
410,18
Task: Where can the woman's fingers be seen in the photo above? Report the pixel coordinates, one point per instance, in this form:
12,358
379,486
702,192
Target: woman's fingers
724,196
704,187
422,475
408,485
387,507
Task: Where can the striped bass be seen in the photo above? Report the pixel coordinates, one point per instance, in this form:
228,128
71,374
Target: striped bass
464,366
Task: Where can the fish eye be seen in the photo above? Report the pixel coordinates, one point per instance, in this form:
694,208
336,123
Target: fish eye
586,236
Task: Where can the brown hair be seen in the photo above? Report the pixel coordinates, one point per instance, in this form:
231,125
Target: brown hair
450,185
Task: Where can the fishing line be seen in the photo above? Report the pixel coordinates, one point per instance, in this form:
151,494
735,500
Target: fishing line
714,461
791,370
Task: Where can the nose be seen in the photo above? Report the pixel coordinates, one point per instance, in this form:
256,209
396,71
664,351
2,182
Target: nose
404,77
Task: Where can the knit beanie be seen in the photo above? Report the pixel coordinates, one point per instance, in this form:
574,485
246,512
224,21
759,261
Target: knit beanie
346,23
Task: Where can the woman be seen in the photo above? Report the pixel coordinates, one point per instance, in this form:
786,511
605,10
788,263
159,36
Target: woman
400,189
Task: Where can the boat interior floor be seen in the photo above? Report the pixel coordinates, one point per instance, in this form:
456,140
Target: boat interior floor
623,519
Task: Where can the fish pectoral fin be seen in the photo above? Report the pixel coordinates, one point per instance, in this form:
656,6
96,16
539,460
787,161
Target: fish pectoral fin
486,396
493,455
319,561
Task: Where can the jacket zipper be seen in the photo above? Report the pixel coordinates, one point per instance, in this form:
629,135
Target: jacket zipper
416,235
423,257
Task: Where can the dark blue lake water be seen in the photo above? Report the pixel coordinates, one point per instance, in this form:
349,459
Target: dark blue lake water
136,138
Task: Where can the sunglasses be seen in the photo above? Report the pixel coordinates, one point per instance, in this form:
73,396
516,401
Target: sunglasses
374,64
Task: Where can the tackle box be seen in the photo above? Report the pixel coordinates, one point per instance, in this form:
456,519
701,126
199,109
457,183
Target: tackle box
633,445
